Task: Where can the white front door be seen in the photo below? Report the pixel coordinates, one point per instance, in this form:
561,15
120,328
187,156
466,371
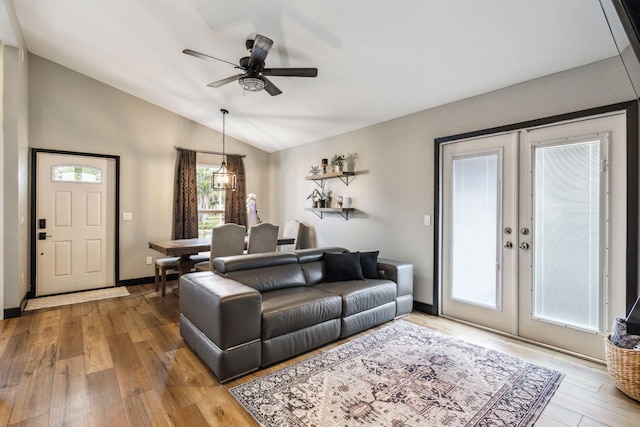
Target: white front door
75,223
534,232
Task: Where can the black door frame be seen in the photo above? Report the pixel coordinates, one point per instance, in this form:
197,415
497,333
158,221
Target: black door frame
33,165
631,109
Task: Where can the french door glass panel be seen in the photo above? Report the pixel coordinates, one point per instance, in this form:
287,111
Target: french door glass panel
476,221
567,225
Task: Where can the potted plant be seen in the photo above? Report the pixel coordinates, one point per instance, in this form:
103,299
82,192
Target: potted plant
317,198
337,162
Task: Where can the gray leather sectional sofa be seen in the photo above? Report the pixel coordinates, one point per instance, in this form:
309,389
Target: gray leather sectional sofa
259,309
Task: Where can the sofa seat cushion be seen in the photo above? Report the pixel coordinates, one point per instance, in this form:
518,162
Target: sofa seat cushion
361,295
291,309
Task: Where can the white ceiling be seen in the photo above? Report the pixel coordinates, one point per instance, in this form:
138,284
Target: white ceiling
376,59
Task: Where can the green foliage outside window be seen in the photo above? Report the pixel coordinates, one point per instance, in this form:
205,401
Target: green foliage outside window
210,202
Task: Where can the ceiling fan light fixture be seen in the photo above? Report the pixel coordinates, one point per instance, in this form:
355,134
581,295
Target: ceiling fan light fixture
252,83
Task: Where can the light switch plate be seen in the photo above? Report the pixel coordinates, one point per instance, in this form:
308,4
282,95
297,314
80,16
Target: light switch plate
127,216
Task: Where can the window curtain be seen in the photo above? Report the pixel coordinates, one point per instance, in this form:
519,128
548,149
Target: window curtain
235,204
185,196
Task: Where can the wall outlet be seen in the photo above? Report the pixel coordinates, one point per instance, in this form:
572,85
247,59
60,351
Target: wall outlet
149,260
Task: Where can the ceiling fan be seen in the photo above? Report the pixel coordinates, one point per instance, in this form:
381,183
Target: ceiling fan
254,75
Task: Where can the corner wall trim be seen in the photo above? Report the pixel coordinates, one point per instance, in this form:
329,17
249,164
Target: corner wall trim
10,313
145,280
425,308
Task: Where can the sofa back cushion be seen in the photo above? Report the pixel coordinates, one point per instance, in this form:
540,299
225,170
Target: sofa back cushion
271,278
229,264
263,272
312,263
313,272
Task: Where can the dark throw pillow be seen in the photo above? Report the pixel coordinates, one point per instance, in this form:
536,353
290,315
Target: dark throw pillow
339,267
369,264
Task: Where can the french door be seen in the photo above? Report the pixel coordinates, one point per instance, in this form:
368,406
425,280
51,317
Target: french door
533,226
478,201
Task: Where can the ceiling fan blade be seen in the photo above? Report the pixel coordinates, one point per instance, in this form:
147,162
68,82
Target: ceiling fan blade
261,46
291,72
271,88
207,57
225,81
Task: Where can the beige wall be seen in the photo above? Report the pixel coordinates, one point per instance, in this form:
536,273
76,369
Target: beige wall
2,180
393,192
69,111
396,187
15,176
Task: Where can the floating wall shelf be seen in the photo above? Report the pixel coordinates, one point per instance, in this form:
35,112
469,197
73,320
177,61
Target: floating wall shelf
343,176
342,211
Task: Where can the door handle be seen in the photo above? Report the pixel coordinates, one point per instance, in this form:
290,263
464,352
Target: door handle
43,236
524,245
507,245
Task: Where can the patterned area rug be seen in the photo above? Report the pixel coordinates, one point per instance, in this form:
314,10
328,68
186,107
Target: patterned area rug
402,375
76,297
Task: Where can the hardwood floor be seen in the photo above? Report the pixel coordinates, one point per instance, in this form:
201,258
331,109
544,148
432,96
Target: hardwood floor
122,362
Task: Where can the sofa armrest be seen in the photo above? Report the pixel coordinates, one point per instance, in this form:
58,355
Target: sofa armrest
224,310
399,272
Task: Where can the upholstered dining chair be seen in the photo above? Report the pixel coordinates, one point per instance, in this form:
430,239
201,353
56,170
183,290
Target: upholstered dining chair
262,238
226,240
292,228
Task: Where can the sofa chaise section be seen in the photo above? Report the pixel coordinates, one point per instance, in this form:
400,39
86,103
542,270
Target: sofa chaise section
220,320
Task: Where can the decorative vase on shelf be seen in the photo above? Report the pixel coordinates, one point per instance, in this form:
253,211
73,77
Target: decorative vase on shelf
337,163
323,164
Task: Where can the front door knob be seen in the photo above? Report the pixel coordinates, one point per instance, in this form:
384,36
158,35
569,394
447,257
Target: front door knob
524,245
507,245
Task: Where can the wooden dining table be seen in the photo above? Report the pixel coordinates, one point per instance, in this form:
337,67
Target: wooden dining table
184,248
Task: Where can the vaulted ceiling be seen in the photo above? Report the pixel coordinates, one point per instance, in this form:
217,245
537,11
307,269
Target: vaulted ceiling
376,59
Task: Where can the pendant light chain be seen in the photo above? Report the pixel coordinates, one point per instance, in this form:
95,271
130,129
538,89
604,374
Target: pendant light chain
224,113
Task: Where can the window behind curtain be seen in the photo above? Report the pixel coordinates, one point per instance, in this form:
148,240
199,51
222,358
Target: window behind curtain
210,202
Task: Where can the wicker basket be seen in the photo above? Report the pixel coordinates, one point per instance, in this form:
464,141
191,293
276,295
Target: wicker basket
624,368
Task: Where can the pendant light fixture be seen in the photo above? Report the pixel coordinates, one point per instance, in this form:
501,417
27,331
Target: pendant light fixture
223,179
